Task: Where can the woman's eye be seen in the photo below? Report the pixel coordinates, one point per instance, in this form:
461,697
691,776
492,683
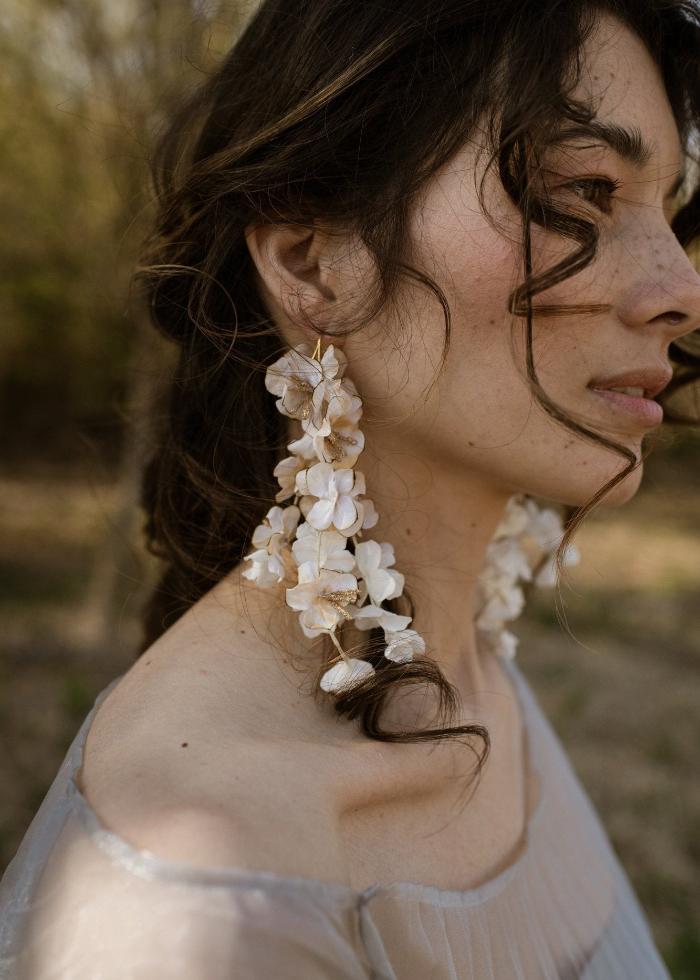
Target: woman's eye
598,189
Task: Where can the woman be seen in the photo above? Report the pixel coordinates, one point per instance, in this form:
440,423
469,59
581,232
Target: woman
406,251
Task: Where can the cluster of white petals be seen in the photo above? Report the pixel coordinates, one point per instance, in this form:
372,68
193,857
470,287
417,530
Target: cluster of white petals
330,583
527,536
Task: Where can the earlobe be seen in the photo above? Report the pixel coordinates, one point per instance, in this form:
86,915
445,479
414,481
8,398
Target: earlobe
289,261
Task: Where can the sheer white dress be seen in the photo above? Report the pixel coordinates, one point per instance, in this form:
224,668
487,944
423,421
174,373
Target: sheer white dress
77,902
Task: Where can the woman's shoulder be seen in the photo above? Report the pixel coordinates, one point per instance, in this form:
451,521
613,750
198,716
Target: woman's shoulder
189,758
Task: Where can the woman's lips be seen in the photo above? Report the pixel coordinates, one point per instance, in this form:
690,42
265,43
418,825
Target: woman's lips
645,410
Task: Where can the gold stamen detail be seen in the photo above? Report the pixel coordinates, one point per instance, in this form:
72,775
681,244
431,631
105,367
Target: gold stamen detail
335,438
340,598
300,384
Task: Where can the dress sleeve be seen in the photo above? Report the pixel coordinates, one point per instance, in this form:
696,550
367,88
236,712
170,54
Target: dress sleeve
99,912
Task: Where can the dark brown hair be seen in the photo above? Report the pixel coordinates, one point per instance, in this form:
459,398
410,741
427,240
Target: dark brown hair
339,111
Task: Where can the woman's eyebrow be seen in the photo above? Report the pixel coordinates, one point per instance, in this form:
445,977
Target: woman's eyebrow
629,144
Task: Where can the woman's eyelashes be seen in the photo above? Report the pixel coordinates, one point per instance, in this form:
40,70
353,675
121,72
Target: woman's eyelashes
602,189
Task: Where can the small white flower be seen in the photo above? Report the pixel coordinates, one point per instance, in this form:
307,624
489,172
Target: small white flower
338,440
402,645
572,555
327,549
286,473
503,600
303,447
300,381
278,526
335,490
547,575
266,569
345,675
322,598
369,616
544,526
500,642
506,555
370,516
381,582
272,558
515,519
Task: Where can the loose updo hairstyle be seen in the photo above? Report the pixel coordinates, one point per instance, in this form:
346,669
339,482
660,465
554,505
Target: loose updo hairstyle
340,111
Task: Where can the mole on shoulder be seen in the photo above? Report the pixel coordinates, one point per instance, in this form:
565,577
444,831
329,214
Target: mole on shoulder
184,745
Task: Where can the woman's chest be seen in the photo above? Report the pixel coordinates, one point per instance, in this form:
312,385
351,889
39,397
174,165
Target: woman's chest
551,913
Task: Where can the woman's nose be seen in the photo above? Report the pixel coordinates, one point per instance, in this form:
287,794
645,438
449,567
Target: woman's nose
666,291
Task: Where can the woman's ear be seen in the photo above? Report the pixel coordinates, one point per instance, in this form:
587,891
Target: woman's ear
293,263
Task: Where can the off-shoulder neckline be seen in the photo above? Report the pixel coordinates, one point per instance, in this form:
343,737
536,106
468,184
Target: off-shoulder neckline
146,864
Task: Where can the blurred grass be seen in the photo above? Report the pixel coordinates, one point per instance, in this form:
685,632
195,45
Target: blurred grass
622,690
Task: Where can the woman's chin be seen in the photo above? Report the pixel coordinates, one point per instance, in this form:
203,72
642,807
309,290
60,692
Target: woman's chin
624,491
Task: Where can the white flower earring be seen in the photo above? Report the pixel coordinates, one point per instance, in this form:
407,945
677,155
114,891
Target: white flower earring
333,584
526,536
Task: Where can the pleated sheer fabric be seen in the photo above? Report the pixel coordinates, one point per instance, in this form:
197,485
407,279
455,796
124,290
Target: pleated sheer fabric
78,902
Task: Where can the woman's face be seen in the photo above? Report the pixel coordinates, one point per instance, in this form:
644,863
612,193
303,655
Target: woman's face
480,414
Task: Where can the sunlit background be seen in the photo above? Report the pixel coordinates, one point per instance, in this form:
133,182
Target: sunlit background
86,85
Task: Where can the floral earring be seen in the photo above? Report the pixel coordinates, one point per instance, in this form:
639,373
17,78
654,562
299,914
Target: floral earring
335,585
